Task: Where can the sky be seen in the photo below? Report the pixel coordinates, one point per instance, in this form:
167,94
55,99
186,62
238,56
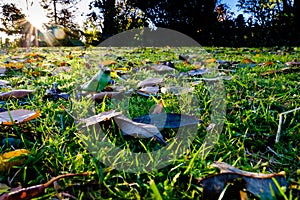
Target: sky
35,11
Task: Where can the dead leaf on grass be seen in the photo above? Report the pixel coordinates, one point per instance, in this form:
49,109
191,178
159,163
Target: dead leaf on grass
12,158
168,120
34,191
150,82
18,116
15,94
100,117
135,129
260,185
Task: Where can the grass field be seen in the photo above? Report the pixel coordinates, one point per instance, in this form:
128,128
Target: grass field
259,85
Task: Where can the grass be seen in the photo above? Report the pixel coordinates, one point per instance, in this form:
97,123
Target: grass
247,140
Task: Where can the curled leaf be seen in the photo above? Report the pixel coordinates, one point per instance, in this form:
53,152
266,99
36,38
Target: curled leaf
15,94
18,116
129,127
12,158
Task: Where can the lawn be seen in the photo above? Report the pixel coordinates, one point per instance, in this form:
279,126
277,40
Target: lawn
221,105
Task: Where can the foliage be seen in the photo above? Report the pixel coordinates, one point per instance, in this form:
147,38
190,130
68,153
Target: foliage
10,19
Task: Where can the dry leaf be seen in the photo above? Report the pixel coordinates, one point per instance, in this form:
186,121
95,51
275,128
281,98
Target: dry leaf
158,108
168,120
100,117
33,191
135,129
148,90
162,68
101,95
12,158
150,82
18,116
259,185
15,94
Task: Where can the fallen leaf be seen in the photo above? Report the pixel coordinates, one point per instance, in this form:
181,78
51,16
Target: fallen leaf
285,70
158,108
18,116
199,72
211,60
162,68
107,63
56,93
151,90
168,120
98,82
248,61
15,94
129,127
3,82
259,185
33,191
101,95
100,117
12,158
150,82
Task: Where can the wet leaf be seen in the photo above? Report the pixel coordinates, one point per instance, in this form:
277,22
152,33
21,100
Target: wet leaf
260,185
33,191
129,127
98,82
15,94
18,116
12,158
168,120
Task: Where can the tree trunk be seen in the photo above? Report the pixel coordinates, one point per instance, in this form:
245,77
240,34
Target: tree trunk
55,11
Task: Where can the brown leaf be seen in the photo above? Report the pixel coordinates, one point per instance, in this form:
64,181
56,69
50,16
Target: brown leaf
101,95
15,94
259,185
153,90
136,129
18,116
158,108
162,68
100,117
285,70
150,82
248,61
33,191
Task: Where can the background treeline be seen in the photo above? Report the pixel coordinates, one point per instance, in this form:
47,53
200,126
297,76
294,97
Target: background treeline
264,22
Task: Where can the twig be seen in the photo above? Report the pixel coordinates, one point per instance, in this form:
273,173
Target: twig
280,123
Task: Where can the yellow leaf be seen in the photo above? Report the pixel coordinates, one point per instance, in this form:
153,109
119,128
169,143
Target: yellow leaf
211,60
12,158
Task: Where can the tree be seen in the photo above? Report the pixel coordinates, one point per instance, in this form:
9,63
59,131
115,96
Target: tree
192,17
61,12
12,19
114,17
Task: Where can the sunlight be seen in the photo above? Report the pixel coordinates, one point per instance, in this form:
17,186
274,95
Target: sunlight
36,16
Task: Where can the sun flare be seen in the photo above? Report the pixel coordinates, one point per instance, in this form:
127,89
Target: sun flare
36,16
